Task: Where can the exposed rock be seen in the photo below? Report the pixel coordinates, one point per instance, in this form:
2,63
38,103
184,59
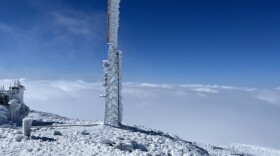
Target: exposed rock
84,133
4,115
136,145
18,138
125,147
57,133
107,142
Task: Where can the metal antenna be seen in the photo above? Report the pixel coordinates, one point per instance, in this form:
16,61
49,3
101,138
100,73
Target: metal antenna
112,68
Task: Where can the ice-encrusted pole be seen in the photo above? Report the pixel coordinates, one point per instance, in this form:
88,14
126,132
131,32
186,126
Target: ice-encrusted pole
26,126
112,68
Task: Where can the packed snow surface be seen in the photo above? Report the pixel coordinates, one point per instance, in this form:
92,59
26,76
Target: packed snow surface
54,135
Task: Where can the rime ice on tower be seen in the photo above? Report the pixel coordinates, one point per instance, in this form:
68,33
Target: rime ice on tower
112,67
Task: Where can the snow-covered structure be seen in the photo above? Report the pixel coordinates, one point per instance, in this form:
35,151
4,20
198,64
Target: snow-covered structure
12,101
26,127
112,68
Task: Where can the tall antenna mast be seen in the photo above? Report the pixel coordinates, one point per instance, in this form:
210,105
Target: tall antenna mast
112,68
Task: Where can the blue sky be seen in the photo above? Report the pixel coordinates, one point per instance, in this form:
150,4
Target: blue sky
233,42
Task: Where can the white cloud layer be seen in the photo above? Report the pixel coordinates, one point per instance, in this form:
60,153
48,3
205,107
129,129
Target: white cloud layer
205,113
78,23
269,96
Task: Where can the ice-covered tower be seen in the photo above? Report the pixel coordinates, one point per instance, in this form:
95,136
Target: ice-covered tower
112,68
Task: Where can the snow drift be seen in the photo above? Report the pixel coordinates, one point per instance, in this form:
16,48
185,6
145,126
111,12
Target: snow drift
107,141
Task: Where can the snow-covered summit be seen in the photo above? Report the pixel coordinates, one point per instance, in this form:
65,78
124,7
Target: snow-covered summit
56,135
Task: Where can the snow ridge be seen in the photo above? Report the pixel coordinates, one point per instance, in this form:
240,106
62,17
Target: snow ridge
106,140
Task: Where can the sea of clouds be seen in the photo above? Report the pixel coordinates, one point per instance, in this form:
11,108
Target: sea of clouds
204,113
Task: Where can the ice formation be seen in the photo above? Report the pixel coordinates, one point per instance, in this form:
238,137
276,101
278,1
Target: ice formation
26,127
12,102
112,69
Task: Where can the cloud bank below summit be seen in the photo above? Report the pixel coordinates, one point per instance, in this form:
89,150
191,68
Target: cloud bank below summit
205,113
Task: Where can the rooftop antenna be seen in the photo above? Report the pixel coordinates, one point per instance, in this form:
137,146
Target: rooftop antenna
112,68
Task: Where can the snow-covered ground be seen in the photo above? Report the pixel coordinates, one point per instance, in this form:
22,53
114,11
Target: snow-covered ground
97,139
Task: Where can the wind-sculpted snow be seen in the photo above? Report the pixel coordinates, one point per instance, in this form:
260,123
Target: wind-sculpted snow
107,141
206,113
